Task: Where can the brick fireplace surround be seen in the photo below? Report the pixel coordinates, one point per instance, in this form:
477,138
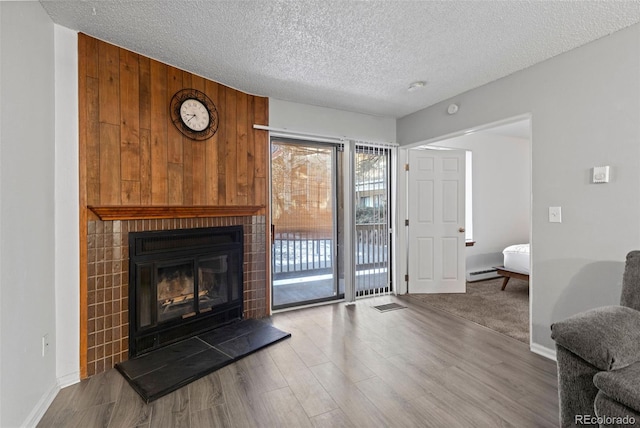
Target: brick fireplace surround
108,279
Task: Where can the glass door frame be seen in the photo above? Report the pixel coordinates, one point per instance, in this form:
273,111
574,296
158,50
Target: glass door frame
335,152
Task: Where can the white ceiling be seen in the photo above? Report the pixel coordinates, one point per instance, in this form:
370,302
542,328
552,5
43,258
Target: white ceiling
348,55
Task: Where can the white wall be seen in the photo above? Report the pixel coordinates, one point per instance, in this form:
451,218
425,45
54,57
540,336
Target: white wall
585,107
67,279
330,122
501,194
27,248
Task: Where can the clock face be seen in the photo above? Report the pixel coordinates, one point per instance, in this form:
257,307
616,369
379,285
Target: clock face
194,114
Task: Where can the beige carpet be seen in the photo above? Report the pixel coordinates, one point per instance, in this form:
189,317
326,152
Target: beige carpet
484,303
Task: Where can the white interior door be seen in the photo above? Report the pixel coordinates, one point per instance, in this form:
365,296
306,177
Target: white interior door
436,190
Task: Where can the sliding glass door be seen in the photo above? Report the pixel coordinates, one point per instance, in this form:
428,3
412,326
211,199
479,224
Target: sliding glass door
304,223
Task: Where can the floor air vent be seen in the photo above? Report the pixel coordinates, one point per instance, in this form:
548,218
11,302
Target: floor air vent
389,307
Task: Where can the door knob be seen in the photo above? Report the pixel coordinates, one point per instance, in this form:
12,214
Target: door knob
461,229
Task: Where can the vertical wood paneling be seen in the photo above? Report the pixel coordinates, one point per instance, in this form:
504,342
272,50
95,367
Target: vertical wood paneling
175,184
144,87
109,164
222,148
175,154
134,154
129,128
241,148
159,166
109,78
145,167
251,153
231,150
210,170
90,56
174,137
130,192
188,184
92,143
194,163
261,189
174,144
144,75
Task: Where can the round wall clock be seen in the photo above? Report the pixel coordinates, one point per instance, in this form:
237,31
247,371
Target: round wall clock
194,114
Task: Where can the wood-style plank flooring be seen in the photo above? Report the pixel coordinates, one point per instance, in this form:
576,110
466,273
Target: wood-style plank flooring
344,366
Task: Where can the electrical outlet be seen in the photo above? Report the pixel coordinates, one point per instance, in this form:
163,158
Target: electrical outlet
45,344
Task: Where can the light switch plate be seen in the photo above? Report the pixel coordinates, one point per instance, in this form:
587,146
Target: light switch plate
555,215
600,174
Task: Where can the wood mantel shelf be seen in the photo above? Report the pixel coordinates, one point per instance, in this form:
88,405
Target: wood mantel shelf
149,212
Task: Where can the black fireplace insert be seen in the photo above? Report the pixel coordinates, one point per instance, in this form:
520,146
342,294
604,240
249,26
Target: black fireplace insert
182,283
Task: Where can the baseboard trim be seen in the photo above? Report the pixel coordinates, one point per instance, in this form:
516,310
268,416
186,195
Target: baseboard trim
43,404
45,401
69,379
544,351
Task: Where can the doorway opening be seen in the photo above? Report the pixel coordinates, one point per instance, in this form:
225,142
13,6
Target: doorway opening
501,218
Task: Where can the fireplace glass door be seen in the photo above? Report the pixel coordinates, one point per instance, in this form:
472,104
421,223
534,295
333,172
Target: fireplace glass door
181,283
175,291
212,279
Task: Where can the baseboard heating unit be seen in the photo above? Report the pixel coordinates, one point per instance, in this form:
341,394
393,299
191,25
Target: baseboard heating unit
482,274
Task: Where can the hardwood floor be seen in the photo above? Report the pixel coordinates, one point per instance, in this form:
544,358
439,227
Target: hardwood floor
344,366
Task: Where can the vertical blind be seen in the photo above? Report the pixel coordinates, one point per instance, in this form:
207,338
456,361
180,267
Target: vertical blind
372,205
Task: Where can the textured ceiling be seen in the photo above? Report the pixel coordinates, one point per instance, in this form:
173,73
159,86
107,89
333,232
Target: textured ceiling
355,56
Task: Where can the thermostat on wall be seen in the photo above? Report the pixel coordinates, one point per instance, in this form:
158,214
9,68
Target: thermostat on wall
600,174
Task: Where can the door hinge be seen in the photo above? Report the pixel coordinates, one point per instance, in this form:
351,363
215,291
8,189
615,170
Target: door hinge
406,167
406,222
406,278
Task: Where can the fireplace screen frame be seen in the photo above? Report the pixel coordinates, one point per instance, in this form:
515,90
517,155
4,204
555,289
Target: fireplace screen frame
150,252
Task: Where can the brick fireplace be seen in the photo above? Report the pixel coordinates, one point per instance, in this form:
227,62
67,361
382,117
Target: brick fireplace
108,276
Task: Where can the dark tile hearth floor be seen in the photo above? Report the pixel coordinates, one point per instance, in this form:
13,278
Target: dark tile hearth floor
167,369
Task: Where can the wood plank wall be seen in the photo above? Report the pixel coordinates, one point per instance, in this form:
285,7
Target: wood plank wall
132,155
135,156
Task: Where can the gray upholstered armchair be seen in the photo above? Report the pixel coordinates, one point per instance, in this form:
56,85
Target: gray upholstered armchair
598,353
